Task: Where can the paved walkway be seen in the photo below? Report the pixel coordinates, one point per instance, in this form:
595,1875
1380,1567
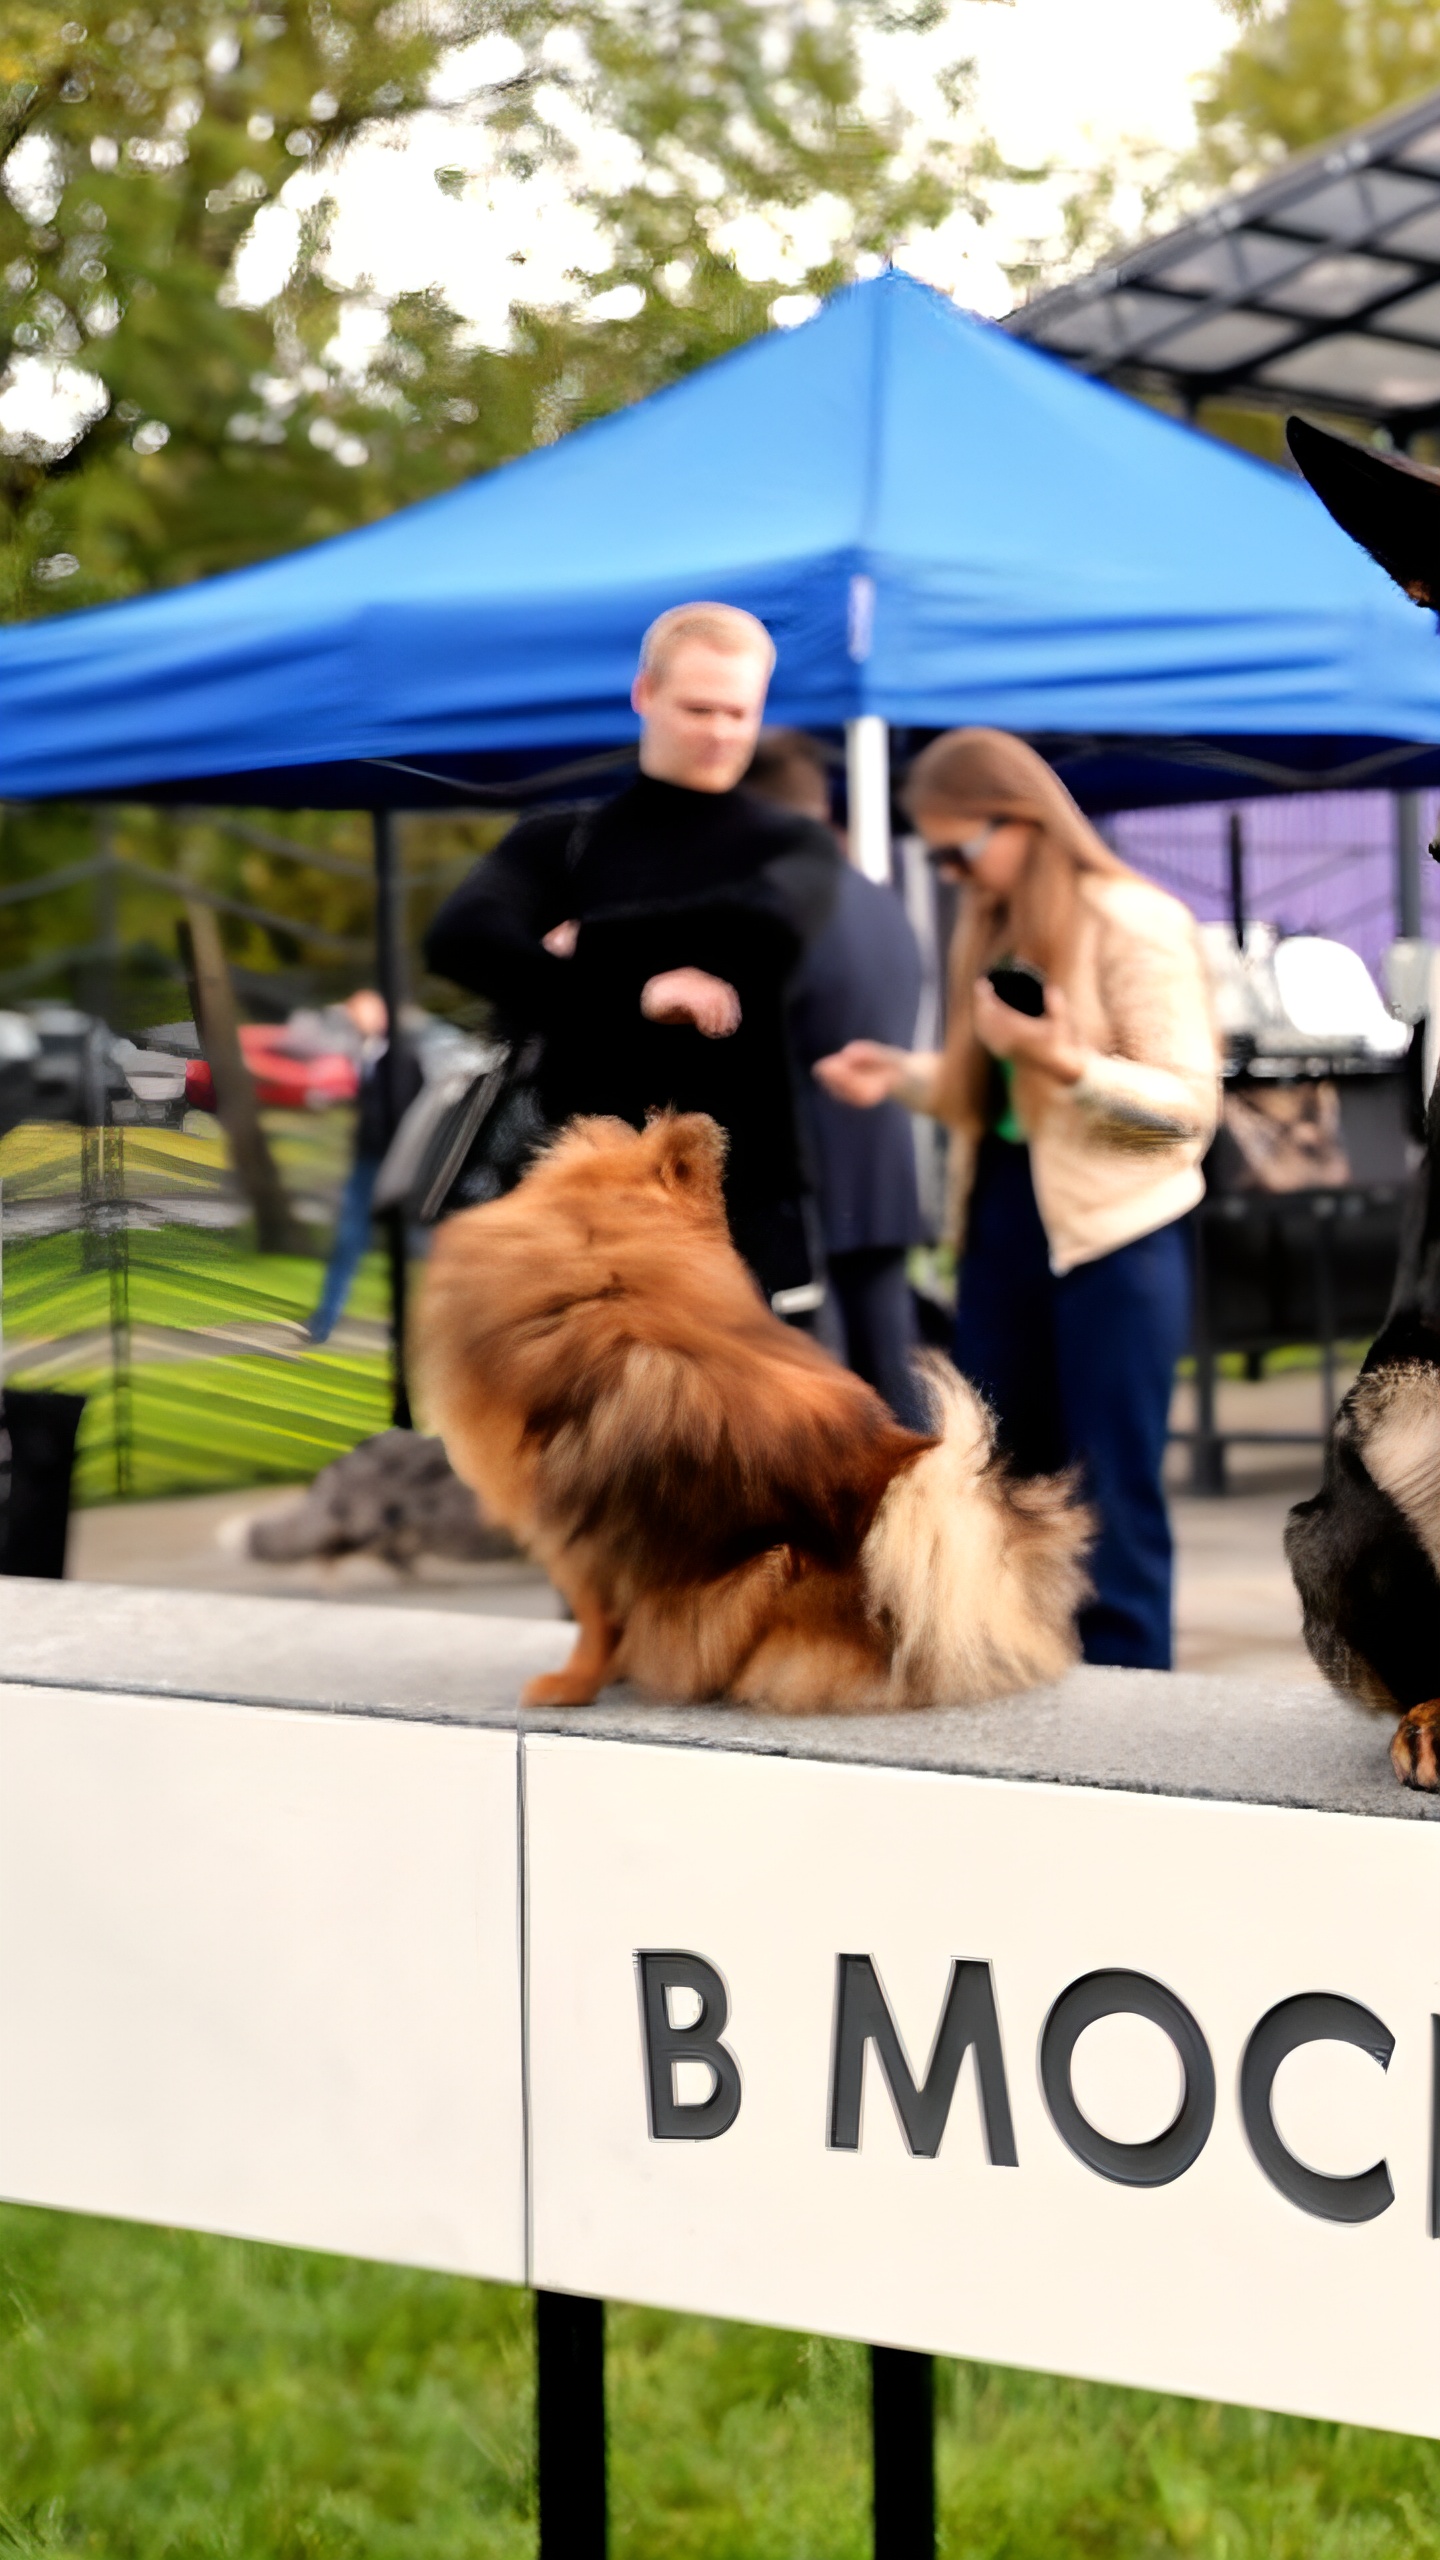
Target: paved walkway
1236,1608
198,1544
1235,1604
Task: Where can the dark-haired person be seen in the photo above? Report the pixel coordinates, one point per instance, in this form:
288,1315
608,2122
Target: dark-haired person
1077,1139
650,941
859,979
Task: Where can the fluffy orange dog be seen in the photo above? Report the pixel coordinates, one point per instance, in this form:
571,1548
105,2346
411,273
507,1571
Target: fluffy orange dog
728,1512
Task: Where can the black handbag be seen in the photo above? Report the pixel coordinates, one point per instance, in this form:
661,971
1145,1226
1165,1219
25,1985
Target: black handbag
485,1143
467,1137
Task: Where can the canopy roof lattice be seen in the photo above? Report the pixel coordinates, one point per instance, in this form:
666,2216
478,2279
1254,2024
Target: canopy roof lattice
1320,285
937,522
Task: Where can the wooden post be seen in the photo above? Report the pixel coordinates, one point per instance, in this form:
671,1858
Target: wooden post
570,2426
902,2424
218,1023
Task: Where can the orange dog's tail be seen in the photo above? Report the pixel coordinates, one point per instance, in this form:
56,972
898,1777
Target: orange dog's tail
978,1576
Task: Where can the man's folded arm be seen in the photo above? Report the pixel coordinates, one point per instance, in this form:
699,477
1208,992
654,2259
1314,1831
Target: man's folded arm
487,935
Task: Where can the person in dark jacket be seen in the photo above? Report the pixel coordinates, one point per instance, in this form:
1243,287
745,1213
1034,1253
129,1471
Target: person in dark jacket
651,941
351,1239
862,968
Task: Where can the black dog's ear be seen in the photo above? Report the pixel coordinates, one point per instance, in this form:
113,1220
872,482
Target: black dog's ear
1387,504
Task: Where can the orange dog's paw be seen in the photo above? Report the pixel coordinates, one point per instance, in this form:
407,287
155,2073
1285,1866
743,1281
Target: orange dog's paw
1413,1753
565,1688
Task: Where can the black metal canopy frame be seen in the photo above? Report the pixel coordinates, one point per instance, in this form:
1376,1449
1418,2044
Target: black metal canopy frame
1321,284
1106,774
512,780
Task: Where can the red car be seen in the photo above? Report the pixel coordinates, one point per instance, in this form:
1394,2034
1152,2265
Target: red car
281,1081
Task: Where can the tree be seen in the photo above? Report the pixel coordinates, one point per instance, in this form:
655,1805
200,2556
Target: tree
133,158
736,115
1303,71
193,434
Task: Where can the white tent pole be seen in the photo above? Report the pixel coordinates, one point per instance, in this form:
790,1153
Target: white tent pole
867,776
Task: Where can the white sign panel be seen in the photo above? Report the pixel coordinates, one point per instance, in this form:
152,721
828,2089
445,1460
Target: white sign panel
1120,2086
259,1973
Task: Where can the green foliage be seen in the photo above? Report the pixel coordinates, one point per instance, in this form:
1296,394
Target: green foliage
133,157
724,109
294,892
135,154
1303,71
169,2397
1093,225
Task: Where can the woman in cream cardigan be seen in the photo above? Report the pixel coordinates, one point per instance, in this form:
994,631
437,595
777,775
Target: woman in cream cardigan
1076,1141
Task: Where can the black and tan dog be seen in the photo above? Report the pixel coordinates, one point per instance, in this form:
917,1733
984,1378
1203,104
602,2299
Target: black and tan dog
1365,1552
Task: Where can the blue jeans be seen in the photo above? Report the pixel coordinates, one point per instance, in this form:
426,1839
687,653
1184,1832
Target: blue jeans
1080,1369
348,1247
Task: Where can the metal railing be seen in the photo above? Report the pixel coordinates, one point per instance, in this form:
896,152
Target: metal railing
129,1276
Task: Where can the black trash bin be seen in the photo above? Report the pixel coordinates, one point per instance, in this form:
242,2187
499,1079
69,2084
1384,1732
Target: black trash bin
37,1458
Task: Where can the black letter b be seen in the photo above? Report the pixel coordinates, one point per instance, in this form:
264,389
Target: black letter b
701,2119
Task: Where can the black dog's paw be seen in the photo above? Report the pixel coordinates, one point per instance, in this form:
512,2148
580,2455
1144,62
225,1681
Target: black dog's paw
1415,1751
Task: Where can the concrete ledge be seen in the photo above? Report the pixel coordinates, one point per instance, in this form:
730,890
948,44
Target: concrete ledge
308,1933
1185,1734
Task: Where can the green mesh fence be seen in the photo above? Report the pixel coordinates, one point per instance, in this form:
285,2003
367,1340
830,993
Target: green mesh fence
129,1275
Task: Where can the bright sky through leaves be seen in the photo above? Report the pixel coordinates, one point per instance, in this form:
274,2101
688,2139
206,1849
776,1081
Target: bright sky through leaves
1071,85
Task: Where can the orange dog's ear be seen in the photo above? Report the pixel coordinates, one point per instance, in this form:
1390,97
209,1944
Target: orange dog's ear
689,1155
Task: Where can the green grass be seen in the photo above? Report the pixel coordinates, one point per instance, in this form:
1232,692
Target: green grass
169,2397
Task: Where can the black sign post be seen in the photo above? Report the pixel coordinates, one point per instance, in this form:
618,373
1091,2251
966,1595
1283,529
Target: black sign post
570,2425
902,2413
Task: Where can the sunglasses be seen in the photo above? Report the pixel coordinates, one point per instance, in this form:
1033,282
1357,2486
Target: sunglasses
939,855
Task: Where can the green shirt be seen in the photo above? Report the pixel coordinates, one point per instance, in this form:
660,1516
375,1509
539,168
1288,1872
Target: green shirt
1004,1123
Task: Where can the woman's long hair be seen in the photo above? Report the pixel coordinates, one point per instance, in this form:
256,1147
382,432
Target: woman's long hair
980,774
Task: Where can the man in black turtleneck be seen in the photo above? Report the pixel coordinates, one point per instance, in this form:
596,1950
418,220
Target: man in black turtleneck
650,941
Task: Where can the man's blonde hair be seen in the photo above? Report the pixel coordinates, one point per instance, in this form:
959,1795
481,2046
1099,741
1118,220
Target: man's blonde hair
721,626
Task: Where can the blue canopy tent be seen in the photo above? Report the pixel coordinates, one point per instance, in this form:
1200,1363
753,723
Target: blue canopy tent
937,521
